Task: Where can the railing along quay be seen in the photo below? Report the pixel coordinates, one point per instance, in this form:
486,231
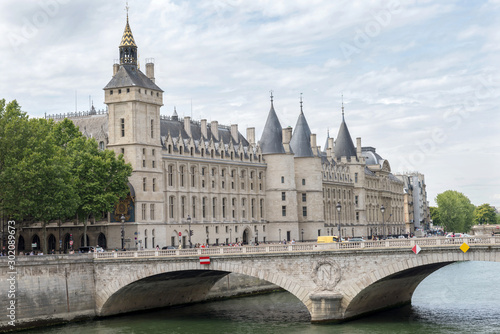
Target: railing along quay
301,247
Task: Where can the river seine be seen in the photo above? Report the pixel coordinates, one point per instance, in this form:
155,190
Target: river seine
460,298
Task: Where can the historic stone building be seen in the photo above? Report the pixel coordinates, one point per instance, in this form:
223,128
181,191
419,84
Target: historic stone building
416,210
208,178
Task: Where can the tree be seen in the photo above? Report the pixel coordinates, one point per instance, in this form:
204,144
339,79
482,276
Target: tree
101,177
455,211
434,211
37,182
485,214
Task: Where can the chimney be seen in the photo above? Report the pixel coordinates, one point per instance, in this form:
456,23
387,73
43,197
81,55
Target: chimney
204,128
330,147
116,67
358,147
287,136
150,69
251,136
214,126
313,141
187,125
234,132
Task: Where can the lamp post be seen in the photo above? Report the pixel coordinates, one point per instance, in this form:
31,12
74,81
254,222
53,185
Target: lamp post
382,209
189,230
280,235
339,208
302,231
122,218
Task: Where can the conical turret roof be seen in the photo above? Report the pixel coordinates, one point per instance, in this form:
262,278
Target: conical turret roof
128,38
301,139
271,141
344,146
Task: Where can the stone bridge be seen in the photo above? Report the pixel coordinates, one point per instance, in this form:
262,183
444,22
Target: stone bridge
336,282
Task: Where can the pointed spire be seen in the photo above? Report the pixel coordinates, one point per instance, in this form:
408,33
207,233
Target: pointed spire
342,107
301,104
301,138
344,146
271,140
128,48
327,137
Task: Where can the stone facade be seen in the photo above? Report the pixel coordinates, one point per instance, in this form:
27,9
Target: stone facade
207,178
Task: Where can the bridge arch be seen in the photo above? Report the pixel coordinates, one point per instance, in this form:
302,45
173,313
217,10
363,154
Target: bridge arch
163,284
393,284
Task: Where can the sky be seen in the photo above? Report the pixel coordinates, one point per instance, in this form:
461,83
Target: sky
419,79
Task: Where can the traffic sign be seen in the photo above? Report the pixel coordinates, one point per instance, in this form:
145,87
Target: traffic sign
180,234
71,242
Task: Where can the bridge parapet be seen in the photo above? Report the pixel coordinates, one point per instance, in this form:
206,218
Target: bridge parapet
302,247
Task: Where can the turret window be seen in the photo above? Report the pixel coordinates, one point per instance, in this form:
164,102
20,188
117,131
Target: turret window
282,179
122,121
119,91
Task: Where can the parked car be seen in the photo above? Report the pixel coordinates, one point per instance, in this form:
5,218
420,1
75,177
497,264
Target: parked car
356,240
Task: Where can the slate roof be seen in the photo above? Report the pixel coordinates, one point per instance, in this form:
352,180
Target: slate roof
271,141
371,157
301,138
344,147
129,75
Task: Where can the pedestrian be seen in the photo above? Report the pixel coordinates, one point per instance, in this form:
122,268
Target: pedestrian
157,247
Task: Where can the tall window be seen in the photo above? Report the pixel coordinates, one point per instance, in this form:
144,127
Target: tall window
253,208
154,184
170,175
303,182
282,179
193,204
304,211
203,206
183,206
122,121
182,175
283,196
356,177
151,211
283,210
214,207
144,184
304,197
171,206
143,207
192,176
224,200
261,208
152,128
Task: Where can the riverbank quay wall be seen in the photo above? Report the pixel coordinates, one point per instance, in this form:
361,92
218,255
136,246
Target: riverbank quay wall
56,289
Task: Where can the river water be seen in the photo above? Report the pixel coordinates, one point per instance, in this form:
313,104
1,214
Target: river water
459,298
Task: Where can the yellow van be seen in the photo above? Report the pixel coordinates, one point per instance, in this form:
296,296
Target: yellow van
327,239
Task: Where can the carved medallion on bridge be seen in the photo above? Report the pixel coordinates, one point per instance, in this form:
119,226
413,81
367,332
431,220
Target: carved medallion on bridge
326,275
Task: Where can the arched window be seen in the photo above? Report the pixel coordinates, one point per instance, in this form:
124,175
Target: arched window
35,242
101,241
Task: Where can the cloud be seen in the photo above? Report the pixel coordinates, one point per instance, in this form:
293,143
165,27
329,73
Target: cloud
423,68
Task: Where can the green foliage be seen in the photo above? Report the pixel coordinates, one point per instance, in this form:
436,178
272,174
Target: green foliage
434,211
455,211
50,171
485,214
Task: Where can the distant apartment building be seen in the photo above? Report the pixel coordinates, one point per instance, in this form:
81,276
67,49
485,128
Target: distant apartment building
416,209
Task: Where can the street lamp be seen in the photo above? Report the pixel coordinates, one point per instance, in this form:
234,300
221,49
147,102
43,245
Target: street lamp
339,208
190,232
122,218
382,209
302,235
